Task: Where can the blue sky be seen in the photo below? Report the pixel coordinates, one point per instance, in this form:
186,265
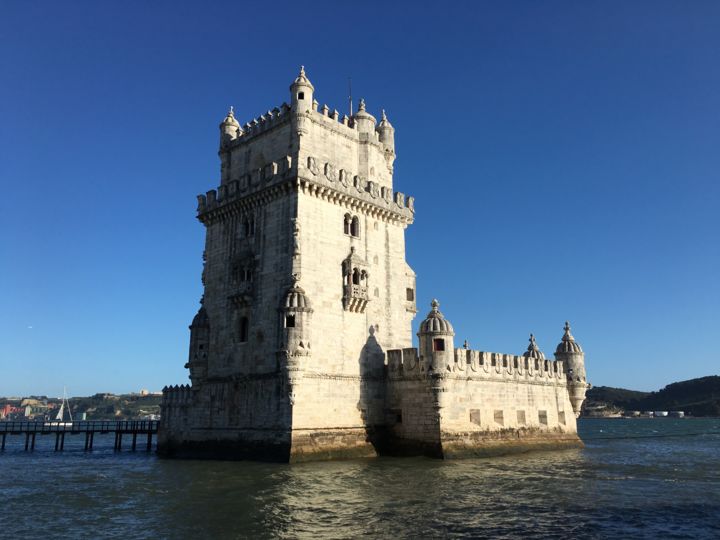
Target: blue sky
563,155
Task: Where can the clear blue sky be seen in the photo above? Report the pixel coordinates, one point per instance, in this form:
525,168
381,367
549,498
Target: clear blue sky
564,157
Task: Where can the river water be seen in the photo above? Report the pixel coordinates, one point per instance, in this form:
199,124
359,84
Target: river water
639,478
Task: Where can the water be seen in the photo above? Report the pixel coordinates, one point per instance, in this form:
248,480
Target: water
635,479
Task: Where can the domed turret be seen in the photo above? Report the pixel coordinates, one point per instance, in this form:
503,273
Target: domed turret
386,133
229,129
301,92
572,356
199,345
364,121
436,339
568,343
533,351
295,311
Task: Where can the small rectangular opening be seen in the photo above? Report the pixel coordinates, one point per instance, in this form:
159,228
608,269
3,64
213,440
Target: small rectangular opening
410,294
438,344
475,416
521,418
504,362
290,321
542,417
498,416
561,417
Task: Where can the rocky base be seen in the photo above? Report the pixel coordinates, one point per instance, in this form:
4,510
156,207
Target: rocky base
465,445
350,443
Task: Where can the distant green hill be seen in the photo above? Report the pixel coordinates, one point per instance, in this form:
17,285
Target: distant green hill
698,397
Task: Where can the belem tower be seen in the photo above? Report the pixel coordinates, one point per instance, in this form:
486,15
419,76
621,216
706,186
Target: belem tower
302,347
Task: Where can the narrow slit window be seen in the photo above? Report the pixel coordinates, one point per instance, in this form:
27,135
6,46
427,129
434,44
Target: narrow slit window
243,329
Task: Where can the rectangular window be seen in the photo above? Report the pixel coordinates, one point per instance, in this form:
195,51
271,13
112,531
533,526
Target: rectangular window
438,344
410,294
243,329
561,417
498,416
521,418
290,321
542,417
475,416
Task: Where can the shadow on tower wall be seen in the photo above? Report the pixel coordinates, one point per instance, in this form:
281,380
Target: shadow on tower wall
373,392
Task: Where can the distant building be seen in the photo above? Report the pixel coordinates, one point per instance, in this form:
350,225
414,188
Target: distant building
302,346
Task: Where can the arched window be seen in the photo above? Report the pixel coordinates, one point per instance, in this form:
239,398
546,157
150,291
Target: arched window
355,227
243,330
346,228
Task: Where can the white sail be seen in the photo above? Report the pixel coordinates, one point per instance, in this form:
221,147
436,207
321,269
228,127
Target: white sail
59,416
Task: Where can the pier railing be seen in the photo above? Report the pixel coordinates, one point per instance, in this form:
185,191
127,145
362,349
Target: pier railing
88,427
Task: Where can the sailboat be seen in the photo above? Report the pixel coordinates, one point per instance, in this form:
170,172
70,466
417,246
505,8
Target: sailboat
60,419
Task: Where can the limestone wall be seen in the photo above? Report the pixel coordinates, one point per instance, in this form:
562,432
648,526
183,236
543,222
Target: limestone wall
480,400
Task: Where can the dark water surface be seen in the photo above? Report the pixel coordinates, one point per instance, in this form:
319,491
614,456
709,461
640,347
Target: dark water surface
654,478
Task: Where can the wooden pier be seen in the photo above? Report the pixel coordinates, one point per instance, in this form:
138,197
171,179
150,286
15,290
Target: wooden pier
133,428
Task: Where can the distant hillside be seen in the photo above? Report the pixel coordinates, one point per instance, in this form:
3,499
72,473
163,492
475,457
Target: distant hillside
698,397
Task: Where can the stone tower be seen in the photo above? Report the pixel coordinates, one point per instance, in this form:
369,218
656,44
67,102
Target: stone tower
302,346
305,215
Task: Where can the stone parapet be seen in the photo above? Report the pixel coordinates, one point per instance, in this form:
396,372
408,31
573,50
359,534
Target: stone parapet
404,363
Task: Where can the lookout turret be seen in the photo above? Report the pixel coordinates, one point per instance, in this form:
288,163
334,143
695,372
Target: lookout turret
301,92
229,129
533,351
364,121
570,353
436,339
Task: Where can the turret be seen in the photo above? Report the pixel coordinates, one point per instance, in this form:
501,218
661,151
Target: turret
364,121
295,312
199,344
436,340
301,93
386,133
572,356
533,351
229,129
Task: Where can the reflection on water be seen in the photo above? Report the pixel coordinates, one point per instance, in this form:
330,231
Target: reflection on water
621,486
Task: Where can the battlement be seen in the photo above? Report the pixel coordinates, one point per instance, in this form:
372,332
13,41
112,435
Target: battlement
261,124
407,363
318,179
280,115
344,182
177,395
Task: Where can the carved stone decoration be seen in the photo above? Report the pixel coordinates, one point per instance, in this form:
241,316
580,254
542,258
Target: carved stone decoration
373,189
344,177
330,172
296,237
411,204
360,182
313,166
